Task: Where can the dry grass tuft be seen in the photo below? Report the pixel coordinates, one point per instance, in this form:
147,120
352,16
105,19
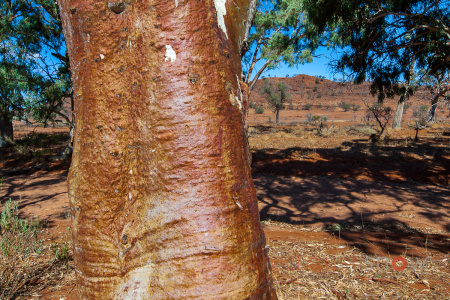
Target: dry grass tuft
27,265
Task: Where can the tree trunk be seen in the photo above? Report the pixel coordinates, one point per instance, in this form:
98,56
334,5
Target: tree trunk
277,117
432,113
399,113
6,131
397,122
162,200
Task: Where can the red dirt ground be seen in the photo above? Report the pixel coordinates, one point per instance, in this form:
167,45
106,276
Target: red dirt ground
386,198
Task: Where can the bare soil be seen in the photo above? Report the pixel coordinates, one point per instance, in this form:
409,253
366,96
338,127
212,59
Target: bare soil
340,214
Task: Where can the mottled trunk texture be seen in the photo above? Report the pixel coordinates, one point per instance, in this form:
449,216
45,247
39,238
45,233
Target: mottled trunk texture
432,113
162,198
397,122
6,131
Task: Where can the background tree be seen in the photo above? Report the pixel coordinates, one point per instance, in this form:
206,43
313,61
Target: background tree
280,33
12,101
161,193
277,97
439,84
34,69
382,114
386,38
407,88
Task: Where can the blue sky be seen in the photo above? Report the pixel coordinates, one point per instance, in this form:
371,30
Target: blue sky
319,66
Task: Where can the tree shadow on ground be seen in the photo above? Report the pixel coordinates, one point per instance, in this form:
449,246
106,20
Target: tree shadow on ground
34,190
382,195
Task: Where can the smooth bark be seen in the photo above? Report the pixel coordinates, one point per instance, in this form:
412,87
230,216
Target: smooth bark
396,123
161,194
432,112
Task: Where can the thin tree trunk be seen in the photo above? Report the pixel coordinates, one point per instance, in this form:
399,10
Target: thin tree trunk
161,194
398,113
432,113
397,122
277,117
6,131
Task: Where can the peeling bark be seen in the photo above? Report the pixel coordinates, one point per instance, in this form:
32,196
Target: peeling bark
162,199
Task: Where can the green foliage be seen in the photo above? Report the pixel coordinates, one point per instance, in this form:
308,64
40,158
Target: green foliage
280,33
349,106
317,80
277,96
315,88
259,110
61,251
385,38
24,265
382,114
307,106
34,70
344,105
17,236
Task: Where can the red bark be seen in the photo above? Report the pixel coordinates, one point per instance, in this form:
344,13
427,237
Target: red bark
162,199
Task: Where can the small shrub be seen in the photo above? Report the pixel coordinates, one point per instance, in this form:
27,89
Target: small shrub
355,107
315,88
345,106
317,80
61,251
25,267
420,114
309,118
366,130
17,236
259,110
307,106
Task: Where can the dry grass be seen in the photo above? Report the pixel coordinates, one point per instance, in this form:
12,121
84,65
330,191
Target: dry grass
312,270
27,265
